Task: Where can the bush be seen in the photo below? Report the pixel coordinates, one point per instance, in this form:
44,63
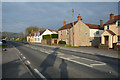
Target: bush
62,42
54,35
46,37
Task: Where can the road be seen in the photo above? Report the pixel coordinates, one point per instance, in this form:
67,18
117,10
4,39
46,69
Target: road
60,63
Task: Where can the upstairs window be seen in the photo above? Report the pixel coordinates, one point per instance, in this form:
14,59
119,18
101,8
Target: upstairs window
35,34
119,38
38,34
119,23
67,32
97,32
60,32
107,27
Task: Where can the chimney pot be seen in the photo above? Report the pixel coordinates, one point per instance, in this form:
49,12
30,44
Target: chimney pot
64,21
79,17
111,16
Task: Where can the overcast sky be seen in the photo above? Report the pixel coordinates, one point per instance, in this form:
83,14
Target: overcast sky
16,16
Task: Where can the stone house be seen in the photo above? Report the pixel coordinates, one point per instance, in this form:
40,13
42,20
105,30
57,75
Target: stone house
84,34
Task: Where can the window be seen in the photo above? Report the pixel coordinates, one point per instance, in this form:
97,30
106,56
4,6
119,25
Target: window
97,32
119,23
35,34
90,40
67,41
67,32
38,34
107,27
60,32
86,33
119,38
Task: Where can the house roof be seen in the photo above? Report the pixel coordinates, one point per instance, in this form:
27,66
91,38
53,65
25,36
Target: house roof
53,30
91,26
40,31
112,20
111,32
94,26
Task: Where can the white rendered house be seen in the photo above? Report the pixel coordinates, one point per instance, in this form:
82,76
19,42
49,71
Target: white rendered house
38,36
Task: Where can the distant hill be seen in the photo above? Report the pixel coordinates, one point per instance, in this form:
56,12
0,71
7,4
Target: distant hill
10,34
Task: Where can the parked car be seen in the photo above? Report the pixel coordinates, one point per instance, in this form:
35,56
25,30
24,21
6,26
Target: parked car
4,41
0,42
25,42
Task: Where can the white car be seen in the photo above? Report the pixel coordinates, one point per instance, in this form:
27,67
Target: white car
0,42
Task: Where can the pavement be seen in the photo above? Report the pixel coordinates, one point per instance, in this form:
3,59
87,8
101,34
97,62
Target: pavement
12,66
88,50
54,62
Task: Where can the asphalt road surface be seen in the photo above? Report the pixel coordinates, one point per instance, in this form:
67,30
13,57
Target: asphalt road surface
60,63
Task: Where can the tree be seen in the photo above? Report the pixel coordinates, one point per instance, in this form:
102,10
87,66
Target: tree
29,29
3,37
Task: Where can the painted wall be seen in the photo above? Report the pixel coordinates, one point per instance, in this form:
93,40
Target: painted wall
39,38
112,38
110,44
93,32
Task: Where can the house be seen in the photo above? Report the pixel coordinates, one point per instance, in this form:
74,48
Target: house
84,34
36,36
111,34
30,37
51,40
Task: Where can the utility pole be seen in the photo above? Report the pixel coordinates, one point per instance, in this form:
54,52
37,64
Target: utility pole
73,25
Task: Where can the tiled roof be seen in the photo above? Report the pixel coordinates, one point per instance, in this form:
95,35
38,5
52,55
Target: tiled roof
94,26
67,26
53,30
111,32
40,31
113,20
91,26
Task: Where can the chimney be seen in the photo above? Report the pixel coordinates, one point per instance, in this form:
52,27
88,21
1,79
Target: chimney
64,21
38,29
101,23
79,17
111,16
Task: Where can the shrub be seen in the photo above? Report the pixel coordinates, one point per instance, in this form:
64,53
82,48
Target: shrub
54,35
62,42
46,37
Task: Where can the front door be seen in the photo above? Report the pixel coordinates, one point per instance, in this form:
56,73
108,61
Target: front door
106,40
55,41
29,40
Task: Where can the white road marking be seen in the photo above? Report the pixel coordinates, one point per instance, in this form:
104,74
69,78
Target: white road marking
28,62
91,60
72,57
98,64
39,74
24,57
77,62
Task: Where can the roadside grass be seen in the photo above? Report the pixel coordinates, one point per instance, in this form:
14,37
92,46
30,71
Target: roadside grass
3,46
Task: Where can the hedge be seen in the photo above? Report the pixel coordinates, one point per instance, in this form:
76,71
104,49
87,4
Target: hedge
46,37
54,35
61,42
50,36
